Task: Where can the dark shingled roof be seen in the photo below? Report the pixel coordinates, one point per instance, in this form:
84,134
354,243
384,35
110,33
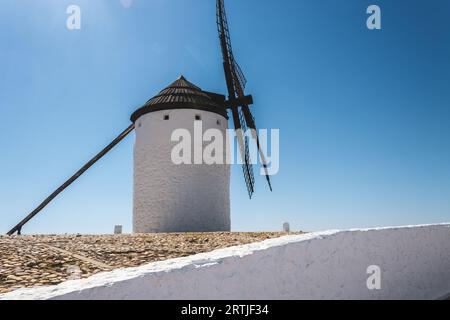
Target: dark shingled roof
183,94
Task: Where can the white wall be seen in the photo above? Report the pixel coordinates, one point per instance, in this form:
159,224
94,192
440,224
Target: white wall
177,198
414,263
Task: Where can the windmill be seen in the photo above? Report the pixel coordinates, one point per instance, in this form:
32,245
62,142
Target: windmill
179,97
238,101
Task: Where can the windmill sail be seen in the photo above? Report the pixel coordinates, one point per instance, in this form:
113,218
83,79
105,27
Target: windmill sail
242,117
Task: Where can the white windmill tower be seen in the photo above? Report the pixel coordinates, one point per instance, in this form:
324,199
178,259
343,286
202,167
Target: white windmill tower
171,197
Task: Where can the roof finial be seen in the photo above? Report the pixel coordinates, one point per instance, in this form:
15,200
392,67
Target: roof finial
181,77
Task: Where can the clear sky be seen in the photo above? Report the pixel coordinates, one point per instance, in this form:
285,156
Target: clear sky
363,115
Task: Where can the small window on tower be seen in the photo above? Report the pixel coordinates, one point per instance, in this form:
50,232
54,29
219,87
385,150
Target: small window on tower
198,117
219,123
166,117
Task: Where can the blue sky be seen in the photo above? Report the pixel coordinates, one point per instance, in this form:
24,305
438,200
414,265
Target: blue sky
363,115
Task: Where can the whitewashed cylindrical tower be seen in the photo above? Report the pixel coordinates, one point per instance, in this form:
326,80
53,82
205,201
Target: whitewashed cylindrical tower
171,197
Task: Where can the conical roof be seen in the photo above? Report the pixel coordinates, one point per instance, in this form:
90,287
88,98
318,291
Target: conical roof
182,94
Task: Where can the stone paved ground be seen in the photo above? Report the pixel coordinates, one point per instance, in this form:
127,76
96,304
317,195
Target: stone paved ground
28,261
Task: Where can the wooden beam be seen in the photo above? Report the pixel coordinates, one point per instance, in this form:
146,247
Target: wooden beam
18,227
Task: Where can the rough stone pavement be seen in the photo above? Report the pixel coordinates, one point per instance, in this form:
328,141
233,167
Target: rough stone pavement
29,261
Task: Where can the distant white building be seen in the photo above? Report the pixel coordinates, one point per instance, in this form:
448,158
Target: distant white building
118,229
178,198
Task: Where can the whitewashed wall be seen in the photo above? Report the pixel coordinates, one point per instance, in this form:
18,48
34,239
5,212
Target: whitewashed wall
414,263
177,198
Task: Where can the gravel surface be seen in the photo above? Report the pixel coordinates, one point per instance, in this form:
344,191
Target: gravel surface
28,261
